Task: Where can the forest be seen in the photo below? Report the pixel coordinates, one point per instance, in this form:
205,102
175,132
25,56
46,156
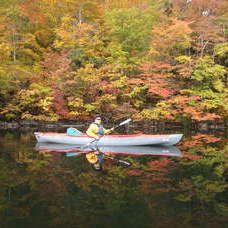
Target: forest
145,59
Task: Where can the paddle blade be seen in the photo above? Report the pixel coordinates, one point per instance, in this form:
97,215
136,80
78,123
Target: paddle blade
125,122
71,154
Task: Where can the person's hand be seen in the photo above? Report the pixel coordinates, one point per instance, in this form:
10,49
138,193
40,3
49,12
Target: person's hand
97,137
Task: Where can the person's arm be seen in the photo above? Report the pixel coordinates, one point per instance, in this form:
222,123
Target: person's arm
107,131
92,131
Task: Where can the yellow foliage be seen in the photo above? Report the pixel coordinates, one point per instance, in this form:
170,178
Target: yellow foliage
159,112
90,107
173,36
183,59
75,102
51,117
120,83
5,51
88,74
107,98
75,113
45,103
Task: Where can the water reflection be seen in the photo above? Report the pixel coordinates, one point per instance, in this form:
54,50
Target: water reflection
52,190
96,155
124,150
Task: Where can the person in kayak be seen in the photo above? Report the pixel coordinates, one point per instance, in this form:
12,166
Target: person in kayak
95,158
96,129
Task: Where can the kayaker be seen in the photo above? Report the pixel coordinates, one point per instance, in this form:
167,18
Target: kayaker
95,159
96,129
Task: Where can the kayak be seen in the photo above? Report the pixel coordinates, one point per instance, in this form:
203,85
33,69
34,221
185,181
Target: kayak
129,150
109,140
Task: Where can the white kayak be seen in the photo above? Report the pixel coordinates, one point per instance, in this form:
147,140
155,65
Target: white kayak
109,140
125,150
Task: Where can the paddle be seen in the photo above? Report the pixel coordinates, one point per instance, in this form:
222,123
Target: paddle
119,125
122,123
123,163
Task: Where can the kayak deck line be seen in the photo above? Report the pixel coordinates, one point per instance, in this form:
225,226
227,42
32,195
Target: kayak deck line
111,136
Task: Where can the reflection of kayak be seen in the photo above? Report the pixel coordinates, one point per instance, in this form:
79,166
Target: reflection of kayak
127,150
110,140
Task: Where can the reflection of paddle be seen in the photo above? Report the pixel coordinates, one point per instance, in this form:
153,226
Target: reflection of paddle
121,124
119,161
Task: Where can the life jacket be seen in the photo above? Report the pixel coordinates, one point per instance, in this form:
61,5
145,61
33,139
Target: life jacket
94,158
96,129
100,129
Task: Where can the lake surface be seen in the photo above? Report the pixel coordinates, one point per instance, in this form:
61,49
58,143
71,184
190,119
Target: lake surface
52,190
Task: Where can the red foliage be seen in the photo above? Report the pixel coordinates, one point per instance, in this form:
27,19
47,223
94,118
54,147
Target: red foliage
205,116
31,10
111,90
85,118
206,138
191,143
135,172
59,104
2,26
199,140
157,76
159,165
103,83
135,81
170,116
190,156
56,64
192,111
185,100
165,189
160,92
159,178
182,105
107,87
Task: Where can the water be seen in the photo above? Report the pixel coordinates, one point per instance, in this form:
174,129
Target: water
51,190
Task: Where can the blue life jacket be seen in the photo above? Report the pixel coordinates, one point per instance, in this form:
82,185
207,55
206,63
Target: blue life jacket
100,157
100,129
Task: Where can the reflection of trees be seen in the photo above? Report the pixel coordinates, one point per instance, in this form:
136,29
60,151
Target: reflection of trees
203,183
51,190
194,187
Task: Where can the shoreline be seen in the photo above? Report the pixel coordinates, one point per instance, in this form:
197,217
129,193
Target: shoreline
152,124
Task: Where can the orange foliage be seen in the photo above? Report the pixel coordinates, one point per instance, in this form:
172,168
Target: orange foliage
31,10
190,156
156,75
135,81
135,172
164,93
199,140
160,165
